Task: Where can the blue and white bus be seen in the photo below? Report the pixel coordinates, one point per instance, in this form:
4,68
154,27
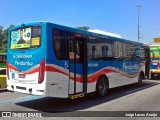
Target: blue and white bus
53,60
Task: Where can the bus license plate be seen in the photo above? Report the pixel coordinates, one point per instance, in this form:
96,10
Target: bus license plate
154,63
22,75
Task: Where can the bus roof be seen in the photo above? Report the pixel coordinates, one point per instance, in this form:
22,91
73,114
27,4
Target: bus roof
105,33
154,45
62,27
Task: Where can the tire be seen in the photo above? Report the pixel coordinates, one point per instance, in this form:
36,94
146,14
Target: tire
152,76
140,78
102,87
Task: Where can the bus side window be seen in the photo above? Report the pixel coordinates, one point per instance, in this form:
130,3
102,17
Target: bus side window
93,52
105,50
60,44
71,51
80,51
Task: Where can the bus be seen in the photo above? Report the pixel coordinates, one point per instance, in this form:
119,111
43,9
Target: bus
155,60
3,60
48,59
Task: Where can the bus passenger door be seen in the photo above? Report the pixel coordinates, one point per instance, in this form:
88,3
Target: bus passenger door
147,63
77,66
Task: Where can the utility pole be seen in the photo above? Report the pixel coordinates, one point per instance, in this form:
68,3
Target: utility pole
138,6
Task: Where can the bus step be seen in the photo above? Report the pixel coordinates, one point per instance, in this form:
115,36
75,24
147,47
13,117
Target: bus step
77,95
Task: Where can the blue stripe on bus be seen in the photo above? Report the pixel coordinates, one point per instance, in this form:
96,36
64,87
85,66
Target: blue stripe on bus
20,99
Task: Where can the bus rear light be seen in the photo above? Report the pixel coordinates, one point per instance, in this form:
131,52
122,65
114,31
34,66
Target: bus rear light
158,65
41,72
7,70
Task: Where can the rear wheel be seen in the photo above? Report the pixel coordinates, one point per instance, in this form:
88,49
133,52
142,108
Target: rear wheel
102,87
140,78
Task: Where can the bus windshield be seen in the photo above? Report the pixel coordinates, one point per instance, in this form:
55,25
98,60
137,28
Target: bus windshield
155,51
25,38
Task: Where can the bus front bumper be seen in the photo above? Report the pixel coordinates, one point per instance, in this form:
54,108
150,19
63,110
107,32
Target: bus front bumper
34,89
155,71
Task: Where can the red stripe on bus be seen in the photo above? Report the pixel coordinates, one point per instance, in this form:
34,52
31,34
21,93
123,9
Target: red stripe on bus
92,78
12,67
53,69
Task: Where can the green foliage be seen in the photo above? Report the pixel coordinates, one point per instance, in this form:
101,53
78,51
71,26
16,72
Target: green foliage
2,65
83,28
3,39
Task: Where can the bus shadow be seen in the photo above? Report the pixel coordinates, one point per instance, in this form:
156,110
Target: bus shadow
49,104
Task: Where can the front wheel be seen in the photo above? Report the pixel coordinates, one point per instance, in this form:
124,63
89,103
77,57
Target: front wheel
102,87
152,76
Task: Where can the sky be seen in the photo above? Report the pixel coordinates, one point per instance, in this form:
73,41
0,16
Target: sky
115,16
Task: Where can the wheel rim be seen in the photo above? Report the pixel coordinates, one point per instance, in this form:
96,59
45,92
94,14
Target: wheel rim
102,87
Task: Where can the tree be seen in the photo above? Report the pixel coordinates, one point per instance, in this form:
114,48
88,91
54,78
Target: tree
1,32
4,38
83,28
1,36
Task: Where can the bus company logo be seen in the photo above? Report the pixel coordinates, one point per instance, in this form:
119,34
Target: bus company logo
130,67
28,63
93,65
22,56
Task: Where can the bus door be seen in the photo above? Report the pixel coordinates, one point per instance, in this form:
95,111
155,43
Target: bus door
77,66
148,62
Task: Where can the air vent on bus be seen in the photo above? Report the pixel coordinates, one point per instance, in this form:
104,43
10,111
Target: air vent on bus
22,88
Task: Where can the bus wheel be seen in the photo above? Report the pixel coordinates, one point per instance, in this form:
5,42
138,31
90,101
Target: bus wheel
152,76
140,78
102,87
